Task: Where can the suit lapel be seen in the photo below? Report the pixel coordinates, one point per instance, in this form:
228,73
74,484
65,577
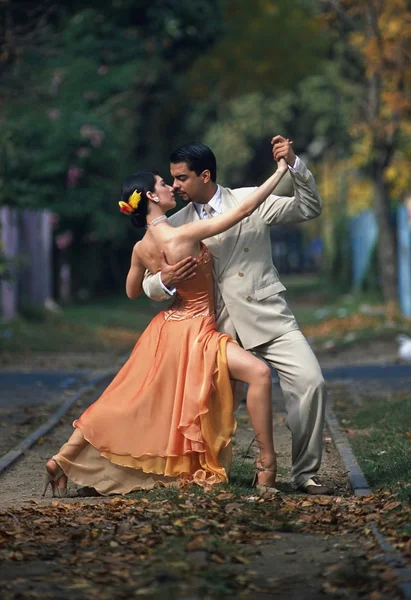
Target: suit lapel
188,214
225,241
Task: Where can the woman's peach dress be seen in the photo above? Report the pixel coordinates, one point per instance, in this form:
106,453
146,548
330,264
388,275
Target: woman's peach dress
168,415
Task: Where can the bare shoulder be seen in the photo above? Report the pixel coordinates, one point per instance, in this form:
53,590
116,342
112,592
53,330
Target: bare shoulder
137,252
180,244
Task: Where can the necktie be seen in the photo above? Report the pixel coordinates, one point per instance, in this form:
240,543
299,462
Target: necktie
207,211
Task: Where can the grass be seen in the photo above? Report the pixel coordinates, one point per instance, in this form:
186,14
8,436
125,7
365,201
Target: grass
111,323
380,434
328,317
324,315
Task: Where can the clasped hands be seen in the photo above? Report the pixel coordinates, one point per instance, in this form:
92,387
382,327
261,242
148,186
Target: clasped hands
282,148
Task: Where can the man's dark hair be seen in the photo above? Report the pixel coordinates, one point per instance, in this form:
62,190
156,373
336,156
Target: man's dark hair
197,157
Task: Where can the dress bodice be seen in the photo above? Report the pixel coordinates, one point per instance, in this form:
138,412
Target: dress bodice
195,297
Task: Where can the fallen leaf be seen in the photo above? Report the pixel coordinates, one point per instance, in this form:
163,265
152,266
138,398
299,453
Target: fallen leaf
217,558
232,506
391,505
225,496
240,559
197,543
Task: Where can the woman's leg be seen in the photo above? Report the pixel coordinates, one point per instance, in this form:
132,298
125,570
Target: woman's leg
244,366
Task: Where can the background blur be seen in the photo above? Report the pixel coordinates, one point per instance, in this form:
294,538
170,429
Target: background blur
91,91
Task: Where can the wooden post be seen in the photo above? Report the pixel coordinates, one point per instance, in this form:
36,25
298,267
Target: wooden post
35,248
9,235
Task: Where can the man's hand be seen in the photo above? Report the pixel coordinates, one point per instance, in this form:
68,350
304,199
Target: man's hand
282,149
172,274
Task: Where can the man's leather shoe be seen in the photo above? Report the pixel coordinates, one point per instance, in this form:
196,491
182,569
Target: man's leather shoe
314,487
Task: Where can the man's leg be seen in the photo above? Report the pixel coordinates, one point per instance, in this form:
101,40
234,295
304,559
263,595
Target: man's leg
304,392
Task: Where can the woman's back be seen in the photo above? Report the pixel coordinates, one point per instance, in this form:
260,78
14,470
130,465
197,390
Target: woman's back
172,242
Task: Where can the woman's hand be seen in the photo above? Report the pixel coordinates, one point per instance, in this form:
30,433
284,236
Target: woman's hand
282,165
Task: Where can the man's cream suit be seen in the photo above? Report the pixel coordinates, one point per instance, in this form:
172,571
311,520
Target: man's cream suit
251,307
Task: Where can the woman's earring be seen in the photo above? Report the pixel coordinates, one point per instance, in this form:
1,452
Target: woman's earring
156,199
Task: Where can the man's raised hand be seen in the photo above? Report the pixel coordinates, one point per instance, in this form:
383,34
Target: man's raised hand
282,148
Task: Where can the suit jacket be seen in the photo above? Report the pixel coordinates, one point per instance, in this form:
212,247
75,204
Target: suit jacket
249,296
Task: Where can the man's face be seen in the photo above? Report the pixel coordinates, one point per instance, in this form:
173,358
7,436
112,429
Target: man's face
187,184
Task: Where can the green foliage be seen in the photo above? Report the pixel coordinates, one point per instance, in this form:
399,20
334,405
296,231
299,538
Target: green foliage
71,135
91,91
315,115
261,49
85,87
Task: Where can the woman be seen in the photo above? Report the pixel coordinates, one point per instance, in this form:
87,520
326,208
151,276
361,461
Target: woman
168,414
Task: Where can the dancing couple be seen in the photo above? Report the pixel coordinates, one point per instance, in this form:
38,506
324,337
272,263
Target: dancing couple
168,415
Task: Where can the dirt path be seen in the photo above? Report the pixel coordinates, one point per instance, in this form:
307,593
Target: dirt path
32,390
186,545
22,481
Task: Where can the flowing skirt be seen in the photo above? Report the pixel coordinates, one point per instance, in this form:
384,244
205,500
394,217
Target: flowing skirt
167,417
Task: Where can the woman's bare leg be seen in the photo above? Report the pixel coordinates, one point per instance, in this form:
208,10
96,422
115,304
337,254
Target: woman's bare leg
244,366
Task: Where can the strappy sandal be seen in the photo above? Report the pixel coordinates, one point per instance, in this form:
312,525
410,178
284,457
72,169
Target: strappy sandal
260,487
52,480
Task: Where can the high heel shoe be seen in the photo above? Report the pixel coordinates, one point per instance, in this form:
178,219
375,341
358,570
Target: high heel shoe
52,480
268,487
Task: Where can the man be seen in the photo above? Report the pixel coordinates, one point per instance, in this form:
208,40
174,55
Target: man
249,297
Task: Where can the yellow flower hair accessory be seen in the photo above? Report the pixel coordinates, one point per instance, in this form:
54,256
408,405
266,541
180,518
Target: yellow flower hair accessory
131,206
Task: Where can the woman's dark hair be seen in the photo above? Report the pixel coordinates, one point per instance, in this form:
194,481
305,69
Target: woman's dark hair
197,157
143,182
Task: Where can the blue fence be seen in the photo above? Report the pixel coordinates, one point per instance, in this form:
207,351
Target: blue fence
364,235
404,259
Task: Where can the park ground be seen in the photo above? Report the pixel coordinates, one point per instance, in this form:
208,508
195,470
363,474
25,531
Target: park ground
195,542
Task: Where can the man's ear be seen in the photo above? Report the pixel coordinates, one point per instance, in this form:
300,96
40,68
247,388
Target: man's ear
206,176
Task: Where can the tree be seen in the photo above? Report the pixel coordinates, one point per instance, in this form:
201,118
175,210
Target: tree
87,96
377,35
260,49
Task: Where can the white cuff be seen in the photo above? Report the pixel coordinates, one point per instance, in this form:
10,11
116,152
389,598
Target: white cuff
167,291
298,166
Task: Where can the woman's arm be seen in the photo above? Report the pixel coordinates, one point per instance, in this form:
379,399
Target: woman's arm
135,276
201,230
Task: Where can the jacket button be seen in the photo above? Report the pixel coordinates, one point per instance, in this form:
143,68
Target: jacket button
245,249
248,298
240,274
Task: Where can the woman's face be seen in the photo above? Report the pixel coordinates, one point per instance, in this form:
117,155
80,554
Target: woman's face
165,194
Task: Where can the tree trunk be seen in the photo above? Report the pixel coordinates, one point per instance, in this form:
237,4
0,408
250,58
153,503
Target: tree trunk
36,244
387,255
